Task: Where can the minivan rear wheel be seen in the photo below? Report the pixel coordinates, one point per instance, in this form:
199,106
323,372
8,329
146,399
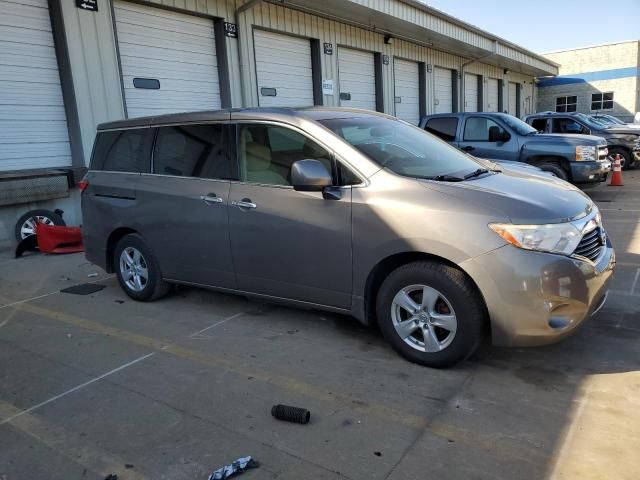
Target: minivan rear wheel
431,313
137,269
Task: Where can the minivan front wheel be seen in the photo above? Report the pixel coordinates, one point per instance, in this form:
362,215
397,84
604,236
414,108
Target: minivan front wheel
137,269
431,314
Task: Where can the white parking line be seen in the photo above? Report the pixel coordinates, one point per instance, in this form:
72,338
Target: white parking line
635,282
196,334
52,399
18,302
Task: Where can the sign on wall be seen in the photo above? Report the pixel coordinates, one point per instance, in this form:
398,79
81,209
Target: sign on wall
230,30
90,5
327,87
328,48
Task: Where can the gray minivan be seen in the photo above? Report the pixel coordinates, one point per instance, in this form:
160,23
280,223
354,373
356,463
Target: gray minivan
349,211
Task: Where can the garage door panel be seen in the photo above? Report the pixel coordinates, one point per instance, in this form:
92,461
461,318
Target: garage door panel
356,76
177,49
283,62
407,90
164,20
33,125
470,92
492,95
443,90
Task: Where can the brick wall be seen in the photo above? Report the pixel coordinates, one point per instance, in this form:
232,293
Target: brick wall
596,59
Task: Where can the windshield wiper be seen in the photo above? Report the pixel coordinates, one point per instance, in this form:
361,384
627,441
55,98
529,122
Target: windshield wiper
444,178
477,173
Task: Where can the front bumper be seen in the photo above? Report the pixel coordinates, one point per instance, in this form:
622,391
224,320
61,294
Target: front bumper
538,298
590,172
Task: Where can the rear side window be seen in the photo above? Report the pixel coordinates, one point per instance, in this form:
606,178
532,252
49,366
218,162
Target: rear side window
123,151
193,151
443,127
567,125
539,124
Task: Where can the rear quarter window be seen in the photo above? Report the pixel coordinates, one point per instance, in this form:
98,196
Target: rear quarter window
443,127
123,151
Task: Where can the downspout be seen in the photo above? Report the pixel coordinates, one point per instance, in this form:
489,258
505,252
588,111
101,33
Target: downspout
243,8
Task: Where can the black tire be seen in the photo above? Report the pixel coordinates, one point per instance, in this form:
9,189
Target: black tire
463,297
556,170
626,161
53,217
154,287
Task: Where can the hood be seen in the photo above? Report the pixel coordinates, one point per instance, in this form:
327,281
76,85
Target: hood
623,130
520,196
570,138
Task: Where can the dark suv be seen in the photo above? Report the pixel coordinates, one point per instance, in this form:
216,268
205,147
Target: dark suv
621,139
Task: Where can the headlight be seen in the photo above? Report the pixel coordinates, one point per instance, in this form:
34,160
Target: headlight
555,238
586,153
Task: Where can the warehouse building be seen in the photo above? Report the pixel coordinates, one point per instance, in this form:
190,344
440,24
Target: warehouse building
598,79
68,65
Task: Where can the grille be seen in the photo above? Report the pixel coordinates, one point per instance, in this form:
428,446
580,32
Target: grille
591,244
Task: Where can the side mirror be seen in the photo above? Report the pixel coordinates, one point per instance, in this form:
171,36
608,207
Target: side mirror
496,134
310,176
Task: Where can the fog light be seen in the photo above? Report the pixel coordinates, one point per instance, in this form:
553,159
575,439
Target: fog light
591,177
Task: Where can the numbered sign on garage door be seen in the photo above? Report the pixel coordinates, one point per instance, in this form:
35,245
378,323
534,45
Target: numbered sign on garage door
443,89
357,78
168,59
407,90
284,71
492,95
33,124
470,92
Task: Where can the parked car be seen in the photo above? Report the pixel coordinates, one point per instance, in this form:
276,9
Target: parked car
621,140
578,159
349,211
610,120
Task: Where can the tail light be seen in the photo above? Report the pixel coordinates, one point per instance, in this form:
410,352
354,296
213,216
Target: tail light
83,184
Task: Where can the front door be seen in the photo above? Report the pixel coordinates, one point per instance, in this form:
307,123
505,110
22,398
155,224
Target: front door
286,243
475,140
183,204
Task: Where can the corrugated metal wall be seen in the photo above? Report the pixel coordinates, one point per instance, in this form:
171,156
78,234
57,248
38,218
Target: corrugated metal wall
94,61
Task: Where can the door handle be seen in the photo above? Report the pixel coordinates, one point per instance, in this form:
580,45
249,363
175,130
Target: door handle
211,198
245,203
468,148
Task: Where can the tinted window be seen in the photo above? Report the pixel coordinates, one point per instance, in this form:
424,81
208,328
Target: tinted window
443,127
267,152
193,151
123,151
476,129
539,124
566,125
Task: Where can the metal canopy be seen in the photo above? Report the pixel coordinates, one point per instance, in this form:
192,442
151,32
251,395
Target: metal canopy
415,22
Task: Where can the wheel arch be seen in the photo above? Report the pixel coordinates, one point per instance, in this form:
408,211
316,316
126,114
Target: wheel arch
112,241
388,264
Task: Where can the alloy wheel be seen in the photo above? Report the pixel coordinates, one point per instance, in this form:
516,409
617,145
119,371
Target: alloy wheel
134,269
423,318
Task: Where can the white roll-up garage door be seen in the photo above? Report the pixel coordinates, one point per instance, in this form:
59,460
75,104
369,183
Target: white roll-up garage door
513,98
443,88
470,92
357,78
492,95
174,49
33,123
407,90
284,70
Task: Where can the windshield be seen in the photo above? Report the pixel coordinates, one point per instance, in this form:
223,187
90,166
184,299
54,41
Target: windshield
590,121
518,125
610,119
402,148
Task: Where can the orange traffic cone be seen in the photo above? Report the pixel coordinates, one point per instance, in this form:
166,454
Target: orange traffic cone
616,175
